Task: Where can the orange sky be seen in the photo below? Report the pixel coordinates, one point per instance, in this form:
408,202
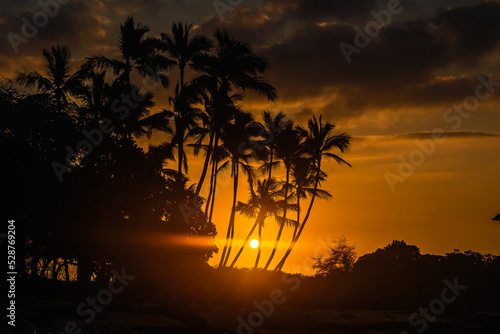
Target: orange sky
447,203
394,92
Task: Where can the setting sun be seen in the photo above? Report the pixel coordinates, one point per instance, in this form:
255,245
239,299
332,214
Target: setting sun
254,243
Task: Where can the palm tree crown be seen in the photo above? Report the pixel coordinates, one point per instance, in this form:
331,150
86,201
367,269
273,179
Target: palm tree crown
57,82
136,52
182,48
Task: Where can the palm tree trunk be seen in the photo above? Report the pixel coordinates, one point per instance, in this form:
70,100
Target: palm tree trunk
230,233
246,241
282,225
297,234
213,195
295,230
181,68
260,247
280,264
312,202
233,213
207,160
211,189
270,166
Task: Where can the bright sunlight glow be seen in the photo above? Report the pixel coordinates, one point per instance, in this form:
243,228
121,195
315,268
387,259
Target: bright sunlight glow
254,243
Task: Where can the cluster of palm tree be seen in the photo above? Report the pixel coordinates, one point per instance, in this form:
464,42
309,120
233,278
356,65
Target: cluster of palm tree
204,114
301,151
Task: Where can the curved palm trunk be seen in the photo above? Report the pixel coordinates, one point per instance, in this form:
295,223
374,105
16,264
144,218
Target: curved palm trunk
230,228
299,232
213,195
270,166
206,163
296,228
280,264
282,225
211,189
231,238
233,213
245,242
260,247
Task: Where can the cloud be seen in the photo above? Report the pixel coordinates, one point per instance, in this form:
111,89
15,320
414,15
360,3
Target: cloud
447,134
405,56
76,24
429,60
428,57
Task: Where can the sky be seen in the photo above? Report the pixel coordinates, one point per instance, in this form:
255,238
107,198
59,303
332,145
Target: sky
415,83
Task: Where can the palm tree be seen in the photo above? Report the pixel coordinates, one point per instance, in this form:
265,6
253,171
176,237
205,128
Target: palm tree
230,66
287,150
182,48
219,156
319,141
184,117
57,82
137,52
302,185
273,125
219,111
234,136
95,95
135,121
267,200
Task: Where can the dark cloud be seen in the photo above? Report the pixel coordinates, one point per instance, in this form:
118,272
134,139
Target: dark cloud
428,56
403,66
448,134
319,10
76,24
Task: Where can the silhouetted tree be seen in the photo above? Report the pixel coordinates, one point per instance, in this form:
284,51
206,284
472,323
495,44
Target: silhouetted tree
287,150
230,65
319,141
340,257
137,52
234,136
182,48
265,200
58,81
